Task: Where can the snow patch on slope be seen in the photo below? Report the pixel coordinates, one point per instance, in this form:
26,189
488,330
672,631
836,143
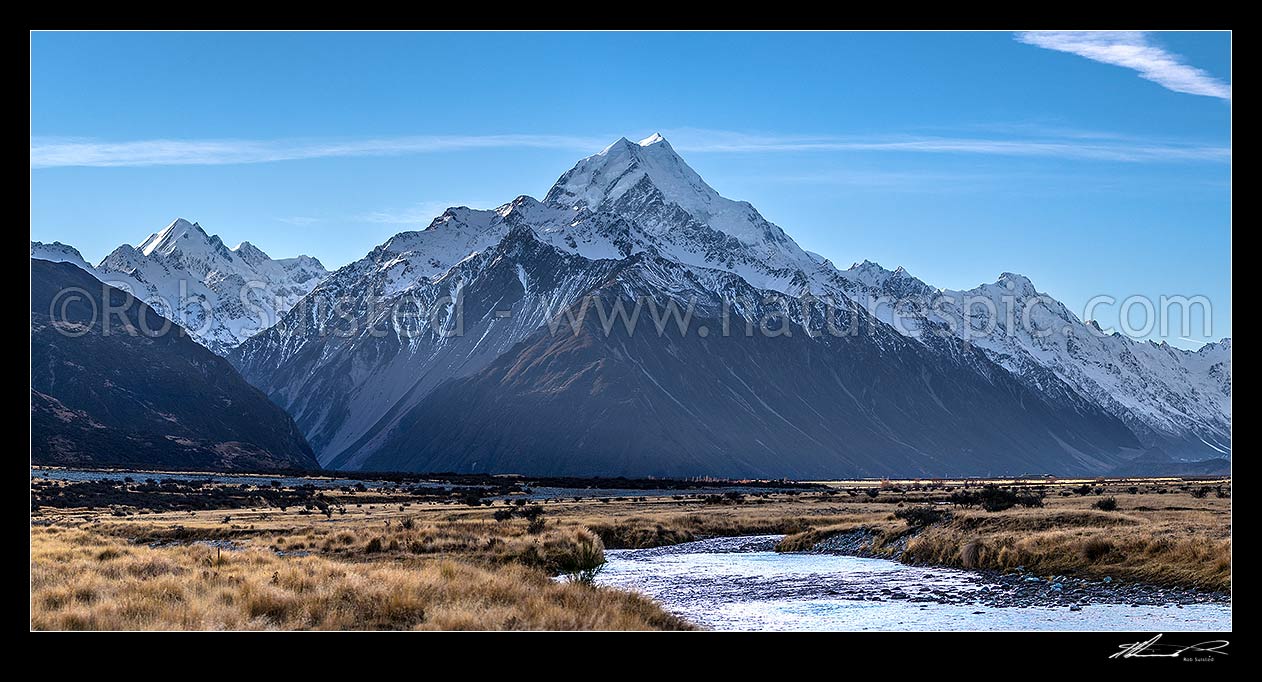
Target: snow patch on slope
222,296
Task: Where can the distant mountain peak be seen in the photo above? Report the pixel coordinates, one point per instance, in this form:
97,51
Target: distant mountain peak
303,261
521,204
251,253
166,238
653,139
57,252
634,170
181,265
1221,344
1015,279
617,144
634,219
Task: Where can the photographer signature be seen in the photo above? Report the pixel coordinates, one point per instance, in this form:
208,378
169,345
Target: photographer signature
1152,649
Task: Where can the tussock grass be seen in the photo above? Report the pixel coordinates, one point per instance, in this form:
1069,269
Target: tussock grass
1171,538
1136,553
882,533
1021,521
86,580
558,548
665,528
451,565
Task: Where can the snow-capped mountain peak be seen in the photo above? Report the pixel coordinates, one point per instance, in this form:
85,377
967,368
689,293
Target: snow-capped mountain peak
1216,346
199,283
1171,398
172,237
868,271
250,253
1018,284
636,218
57,252
666,206
599,181
636,208
877,280
653,139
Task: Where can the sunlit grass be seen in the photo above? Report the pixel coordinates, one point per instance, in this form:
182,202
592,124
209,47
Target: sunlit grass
448,565
81,579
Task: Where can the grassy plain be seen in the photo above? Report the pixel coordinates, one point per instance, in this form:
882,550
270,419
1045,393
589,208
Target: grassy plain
381,560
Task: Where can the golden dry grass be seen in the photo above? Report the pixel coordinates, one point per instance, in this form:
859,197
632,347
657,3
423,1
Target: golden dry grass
452,566
559,548
1187,549
1170,539
86,580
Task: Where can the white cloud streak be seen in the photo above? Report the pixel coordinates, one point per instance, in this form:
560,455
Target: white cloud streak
62,152
1132,50
1094,146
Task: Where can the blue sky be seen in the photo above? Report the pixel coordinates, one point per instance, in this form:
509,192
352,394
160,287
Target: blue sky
1095,165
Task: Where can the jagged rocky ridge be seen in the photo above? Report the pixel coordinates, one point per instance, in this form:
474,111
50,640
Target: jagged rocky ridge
1175,401
220,295
507,394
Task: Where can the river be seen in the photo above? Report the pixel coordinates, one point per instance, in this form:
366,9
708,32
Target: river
741,584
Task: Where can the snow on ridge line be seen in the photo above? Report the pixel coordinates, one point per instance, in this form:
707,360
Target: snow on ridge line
180,266
57,252
652,139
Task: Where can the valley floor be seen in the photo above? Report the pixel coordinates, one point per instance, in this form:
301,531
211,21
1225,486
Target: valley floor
153,557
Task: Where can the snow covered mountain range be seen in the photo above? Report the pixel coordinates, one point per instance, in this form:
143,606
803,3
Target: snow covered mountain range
635,221
1173,399
222,296
439,349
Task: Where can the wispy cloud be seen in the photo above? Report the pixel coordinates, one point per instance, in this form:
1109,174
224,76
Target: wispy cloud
1095,146
1010,182
58,152
61,152
867,178
1132,50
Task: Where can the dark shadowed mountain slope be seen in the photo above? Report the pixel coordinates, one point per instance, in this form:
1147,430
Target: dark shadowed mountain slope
348,377
869,403
1157,462
138,391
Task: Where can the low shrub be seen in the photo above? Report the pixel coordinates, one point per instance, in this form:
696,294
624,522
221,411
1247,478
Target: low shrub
1106,504
919,517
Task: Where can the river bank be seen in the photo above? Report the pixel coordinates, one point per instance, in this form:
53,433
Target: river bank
1021,587
742,584
1168,529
